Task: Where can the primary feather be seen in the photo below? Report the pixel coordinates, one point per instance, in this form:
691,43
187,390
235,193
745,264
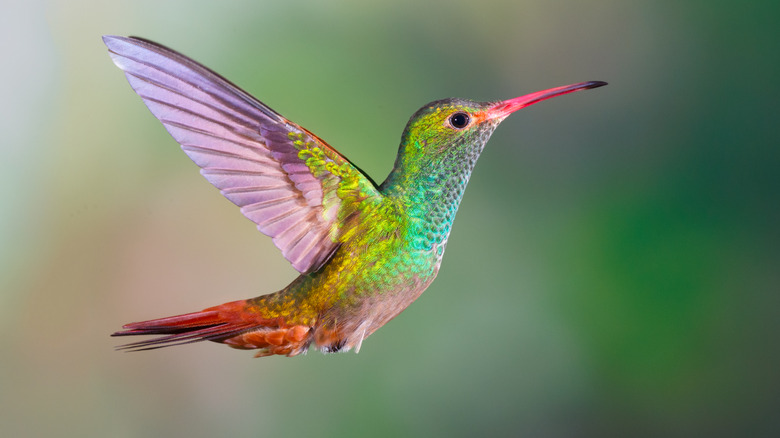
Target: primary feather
289,182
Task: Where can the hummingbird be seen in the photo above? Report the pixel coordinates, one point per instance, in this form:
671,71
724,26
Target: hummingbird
364,251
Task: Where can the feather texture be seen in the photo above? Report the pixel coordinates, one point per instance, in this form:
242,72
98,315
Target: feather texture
289,182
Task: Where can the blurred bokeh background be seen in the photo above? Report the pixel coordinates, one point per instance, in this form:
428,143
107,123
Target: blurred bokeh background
614,269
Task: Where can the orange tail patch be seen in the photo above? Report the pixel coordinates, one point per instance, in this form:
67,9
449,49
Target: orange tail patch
229,323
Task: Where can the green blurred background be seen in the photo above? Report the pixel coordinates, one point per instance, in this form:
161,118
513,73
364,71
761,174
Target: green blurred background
613,270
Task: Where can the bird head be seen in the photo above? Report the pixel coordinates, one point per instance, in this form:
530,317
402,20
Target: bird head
453,132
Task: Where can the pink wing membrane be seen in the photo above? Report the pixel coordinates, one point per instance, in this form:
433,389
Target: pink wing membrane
243,148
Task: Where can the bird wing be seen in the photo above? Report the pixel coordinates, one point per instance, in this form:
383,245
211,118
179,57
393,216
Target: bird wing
289,182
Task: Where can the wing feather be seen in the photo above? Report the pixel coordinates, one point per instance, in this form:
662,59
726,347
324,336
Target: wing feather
290,183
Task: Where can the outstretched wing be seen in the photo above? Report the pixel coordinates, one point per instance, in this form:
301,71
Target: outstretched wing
293,185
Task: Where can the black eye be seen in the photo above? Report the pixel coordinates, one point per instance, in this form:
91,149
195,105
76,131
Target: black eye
459,120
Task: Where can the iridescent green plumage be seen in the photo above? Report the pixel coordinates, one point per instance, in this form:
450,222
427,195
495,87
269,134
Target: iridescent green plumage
392,249
365,252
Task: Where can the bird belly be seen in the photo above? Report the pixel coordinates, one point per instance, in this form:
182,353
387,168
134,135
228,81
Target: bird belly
373,290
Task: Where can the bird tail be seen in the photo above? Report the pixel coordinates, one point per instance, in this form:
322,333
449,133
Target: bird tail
237,324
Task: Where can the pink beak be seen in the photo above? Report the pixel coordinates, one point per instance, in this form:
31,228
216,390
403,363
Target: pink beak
504,108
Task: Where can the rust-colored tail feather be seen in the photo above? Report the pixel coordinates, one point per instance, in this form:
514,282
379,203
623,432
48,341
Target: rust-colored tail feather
207,325
236,324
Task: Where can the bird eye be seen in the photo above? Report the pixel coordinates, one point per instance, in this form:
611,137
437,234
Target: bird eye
459,120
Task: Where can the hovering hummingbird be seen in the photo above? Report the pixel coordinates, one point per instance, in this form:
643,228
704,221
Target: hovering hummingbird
365,251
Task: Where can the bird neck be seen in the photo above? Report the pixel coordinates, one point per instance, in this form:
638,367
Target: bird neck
429,194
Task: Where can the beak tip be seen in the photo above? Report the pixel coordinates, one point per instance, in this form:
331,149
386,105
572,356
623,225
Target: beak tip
595,84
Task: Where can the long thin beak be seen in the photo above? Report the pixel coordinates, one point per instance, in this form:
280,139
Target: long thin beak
507,107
